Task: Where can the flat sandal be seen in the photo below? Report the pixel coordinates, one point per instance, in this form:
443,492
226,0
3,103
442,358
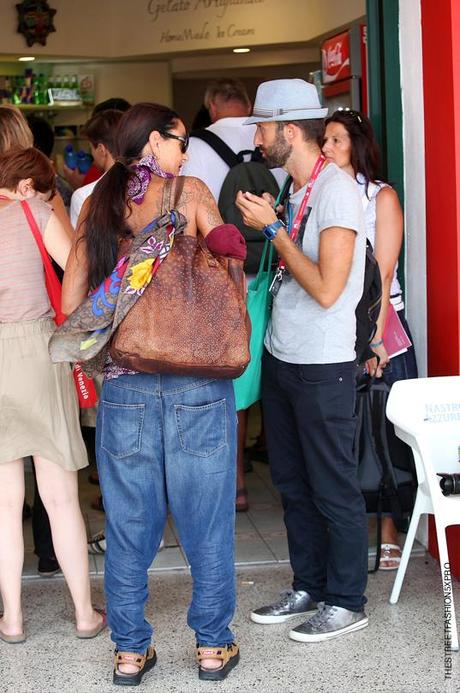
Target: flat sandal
145,662
229,655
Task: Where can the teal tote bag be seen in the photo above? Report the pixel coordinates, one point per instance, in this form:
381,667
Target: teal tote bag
259,300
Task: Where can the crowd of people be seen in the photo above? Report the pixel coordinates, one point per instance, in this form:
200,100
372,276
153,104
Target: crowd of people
171,439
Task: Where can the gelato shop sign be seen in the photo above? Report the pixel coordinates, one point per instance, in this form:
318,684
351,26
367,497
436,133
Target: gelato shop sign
157,8
202,20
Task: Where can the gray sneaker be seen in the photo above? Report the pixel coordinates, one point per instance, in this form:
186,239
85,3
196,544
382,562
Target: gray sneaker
329,622
291,603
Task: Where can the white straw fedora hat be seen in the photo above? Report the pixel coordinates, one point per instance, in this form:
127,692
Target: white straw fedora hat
286,99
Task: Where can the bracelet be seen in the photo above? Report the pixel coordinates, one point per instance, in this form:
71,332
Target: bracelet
376,344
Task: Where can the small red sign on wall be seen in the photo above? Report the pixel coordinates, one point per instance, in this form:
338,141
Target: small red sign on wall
335,58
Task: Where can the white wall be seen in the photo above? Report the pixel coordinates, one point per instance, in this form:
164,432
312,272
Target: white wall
410,38
139,28
163,27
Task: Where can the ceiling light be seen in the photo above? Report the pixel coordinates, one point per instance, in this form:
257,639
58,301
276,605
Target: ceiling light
26,59
241,50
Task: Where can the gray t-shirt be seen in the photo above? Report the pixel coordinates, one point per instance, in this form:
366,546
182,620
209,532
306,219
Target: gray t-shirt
300,330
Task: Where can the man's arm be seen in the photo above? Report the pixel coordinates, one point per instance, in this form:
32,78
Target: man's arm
324,280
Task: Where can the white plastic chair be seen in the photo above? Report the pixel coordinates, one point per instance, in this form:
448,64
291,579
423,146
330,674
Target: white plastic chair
426,415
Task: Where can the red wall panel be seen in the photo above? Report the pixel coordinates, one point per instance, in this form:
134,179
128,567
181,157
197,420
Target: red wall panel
441,80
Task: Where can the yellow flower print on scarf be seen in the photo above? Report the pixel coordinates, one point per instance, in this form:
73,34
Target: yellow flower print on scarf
141,274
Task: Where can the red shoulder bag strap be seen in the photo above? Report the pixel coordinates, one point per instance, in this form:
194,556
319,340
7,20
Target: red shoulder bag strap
86,390
53,285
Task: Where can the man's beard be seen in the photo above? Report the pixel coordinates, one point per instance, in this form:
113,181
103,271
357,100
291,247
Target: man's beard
278,154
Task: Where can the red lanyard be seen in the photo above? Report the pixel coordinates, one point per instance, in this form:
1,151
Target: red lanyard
294,232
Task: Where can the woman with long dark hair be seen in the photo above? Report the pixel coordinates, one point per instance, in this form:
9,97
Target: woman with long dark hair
160,439
350,143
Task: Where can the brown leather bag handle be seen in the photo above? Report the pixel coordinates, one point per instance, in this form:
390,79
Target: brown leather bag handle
166,205
179,186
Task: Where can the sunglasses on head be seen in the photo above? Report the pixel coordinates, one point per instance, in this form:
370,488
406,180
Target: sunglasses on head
355,114
183,139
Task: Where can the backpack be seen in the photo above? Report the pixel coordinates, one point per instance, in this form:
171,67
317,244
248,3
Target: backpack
386,470
368,309
249,176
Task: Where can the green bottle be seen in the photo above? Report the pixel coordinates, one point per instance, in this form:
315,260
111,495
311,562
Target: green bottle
16,85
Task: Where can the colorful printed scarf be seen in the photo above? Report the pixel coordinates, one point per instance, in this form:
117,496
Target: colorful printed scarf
83,337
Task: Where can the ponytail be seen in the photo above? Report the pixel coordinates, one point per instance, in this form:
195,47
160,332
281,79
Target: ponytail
106,223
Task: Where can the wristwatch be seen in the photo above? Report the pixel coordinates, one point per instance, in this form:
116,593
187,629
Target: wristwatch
271,230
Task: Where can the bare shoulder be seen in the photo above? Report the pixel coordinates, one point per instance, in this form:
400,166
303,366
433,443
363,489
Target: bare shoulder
194,188
197,202
387,199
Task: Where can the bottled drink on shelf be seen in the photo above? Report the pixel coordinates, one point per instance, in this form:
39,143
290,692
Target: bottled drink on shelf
74,83
30,88
43,89
8,90
84,161
16,90
70,157
28,75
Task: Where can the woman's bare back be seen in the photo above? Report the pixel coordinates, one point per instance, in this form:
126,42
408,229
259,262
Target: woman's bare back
188,195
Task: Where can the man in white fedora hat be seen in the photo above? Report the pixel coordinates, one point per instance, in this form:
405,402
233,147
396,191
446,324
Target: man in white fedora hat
309,367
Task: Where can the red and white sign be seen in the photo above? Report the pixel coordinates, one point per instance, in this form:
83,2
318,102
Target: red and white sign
335,58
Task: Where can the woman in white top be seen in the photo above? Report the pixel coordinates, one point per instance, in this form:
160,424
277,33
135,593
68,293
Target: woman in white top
351,144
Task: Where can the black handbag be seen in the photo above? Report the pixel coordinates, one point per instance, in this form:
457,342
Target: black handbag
386,469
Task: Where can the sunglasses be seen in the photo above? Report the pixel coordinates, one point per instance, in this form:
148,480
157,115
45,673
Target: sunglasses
183,139
355,114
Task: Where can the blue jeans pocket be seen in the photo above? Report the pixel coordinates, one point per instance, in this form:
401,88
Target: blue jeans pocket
202,429
121,428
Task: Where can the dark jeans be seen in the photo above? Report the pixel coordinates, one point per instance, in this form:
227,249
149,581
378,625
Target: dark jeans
309,415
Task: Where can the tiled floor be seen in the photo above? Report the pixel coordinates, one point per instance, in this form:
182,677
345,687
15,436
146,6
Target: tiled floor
260,533
402,650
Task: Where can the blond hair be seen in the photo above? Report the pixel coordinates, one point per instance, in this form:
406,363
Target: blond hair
14,130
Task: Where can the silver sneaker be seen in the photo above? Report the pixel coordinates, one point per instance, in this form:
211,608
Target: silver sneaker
329,622
292,603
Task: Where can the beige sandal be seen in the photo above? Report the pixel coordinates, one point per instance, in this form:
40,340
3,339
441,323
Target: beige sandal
93,632
229,655
12,639
144,662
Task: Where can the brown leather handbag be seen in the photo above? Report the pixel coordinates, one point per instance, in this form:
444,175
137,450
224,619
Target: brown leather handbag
191,318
